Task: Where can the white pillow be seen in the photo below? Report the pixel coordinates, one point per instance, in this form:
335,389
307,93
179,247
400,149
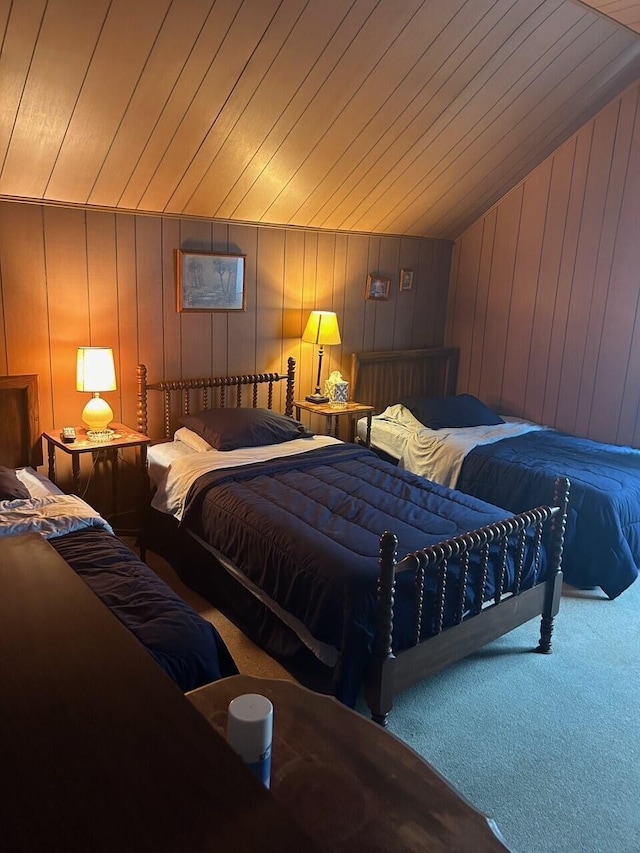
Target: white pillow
192,440
38,485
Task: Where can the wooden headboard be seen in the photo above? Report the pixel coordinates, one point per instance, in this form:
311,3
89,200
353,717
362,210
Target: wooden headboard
20,436
381,378
209,392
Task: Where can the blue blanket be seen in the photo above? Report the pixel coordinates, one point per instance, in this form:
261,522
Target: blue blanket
602,545
306,530
182,643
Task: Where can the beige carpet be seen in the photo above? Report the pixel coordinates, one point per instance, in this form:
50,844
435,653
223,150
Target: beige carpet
249,659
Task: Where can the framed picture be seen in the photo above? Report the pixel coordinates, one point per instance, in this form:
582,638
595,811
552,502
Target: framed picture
377,287
406,279
209,281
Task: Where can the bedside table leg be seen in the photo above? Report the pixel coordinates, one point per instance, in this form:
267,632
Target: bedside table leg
146,508
75,469
113,458
51,456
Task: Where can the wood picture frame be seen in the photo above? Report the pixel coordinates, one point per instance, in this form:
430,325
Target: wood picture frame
209,281
378,287
406,279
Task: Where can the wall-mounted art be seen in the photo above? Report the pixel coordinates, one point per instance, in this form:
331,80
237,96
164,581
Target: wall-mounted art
406,279
209,281
377,288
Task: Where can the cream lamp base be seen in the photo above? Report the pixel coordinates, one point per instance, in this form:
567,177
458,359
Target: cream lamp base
97,415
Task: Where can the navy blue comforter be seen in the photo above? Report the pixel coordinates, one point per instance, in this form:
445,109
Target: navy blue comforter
306,530
185,645
602,545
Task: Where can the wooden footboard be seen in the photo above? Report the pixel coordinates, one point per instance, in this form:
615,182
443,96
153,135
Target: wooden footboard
391,671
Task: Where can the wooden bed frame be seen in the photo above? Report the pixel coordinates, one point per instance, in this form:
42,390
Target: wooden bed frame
21,439
209,392
381,378
390,672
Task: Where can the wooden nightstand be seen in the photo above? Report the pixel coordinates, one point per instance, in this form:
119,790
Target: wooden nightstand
124,437
351,411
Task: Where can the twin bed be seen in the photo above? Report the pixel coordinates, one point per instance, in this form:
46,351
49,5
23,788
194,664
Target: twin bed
456,441
383,575
184,645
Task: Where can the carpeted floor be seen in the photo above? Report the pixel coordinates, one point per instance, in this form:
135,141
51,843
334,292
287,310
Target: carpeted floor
548,746
248,657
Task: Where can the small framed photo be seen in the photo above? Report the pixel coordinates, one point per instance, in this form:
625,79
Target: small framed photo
377,288
209,281
406,279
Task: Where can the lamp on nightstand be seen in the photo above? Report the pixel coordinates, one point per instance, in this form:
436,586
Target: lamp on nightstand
95,373
321,329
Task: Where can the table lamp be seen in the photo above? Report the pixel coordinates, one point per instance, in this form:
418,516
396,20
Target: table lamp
321,329
95,373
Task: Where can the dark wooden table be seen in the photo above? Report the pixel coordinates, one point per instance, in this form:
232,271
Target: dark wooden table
349,783
99,750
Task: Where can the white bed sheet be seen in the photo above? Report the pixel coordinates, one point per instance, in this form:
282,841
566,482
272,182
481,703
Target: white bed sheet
38,485
50,515
160,456
387,436
390,430
436,455
182,467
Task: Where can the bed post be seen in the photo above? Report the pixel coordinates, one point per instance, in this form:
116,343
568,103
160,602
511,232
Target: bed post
141,408
556,545
379,682
291,378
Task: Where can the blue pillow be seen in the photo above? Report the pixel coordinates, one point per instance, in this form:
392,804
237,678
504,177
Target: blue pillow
232,428
459,410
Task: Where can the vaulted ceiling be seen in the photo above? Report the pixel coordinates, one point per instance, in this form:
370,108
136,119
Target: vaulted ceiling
388,116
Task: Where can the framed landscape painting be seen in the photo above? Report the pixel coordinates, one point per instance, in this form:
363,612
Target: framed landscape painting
209,281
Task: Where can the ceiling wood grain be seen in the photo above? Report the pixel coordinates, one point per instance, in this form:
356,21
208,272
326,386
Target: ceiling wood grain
386,116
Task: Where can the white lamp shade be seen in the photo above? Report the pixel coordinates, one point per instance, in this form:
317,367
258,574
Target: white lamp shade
95,372
95,369
322,329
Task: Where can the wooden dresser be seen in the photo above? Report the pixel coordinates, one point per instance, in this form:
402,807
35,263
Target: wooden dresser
351,784
99,750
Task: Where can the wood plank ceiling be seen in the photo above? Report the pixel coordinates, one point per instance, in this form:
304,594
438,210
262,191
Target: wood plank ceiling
387,116
625,12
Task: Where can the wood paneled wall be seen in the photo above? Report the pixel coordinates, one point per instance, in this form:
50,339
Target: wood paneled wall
72,277
544,300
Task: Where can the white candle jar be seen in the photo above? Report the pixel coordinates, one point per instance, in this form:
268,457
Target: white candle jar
250,731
